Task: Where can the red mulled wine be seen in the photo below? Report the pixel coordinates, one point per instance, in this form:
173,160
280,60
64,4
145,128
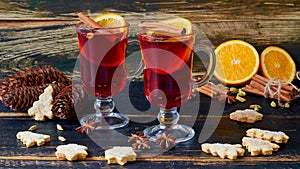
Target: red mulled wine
102,61
167,73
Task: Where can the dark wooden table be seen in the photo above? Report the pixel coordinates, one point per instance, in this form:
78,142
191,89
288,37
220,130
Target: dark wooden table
42,33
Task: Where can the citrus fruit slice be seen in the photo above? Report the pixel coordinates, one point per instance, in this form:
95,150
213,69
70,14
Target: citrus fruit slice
277,63
180,23
106,46
236,62
169,54
110,20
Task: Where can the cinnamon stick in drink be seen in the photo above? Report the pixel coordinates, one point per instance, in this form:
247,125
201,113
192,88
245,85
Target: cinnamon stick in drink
162,28
87,20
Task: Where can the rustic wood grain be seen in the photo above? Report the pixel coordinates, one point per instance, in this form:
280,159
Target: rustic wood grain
260,22
13,151
43,33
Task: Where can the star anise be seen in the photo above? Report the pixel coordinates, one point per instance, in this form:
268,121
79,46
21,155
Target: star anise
230,99
142,144
165,141
135,137
87,127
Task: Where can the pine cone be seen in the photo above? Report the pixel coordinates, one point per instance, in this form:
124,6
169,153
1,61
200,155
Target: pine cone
39,76
31,77
22,98
64,103
21,89
57,88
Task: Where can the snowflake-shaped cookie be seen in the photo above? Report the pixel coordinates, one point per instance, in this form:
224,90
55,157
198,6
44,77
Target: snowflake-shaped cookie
120,155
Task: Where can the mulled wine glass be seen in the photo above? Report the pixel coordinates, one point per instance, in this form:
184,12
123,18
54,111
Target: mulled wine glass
168,80
103,71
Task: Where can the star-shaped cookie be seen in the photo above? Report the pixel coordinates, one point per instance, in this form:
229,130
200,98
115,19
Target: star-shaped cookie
71,152
120,155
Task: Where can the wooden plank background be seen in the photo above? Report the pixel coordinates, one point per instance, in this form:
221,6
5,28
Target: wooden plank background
42,32
36,32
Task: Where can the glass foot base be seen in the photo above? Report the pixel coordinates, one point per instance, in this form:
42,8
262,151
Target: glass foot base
181,132
105,121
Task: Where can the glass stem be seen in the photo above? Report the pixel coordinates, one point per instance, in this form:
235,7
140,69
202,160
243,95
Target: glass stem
168,117
104,105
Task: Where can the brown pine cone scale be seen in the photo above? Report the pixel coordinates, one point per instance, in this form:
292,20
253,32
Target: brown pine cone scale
22,98
21,89
65,102
39,76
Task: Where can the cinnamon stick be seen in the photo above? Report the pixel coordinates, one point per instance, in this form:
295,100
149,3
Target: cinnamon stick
261,87
162,28
286,89
217,89
264,81
251,89
87,20
206,91
214,91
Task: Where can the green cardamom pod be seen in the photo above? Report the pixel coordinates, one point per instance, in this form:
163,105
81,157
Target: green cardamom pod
32,128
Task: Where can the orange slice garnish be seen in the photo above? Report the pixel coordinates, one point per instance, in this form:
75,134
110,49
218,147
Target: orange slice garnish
236,62
277,63
180,23
110,20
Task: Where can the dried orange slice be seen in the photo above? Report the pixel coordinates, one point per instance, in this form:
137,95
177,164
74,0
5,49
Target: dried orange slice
110,20
236,62
277,63
180,23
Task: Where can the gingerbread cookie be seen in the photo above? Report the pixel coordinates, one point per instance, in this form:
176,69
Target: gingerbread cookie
231,151
247,115
257,146
30,139
71,152
120,155
278,137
